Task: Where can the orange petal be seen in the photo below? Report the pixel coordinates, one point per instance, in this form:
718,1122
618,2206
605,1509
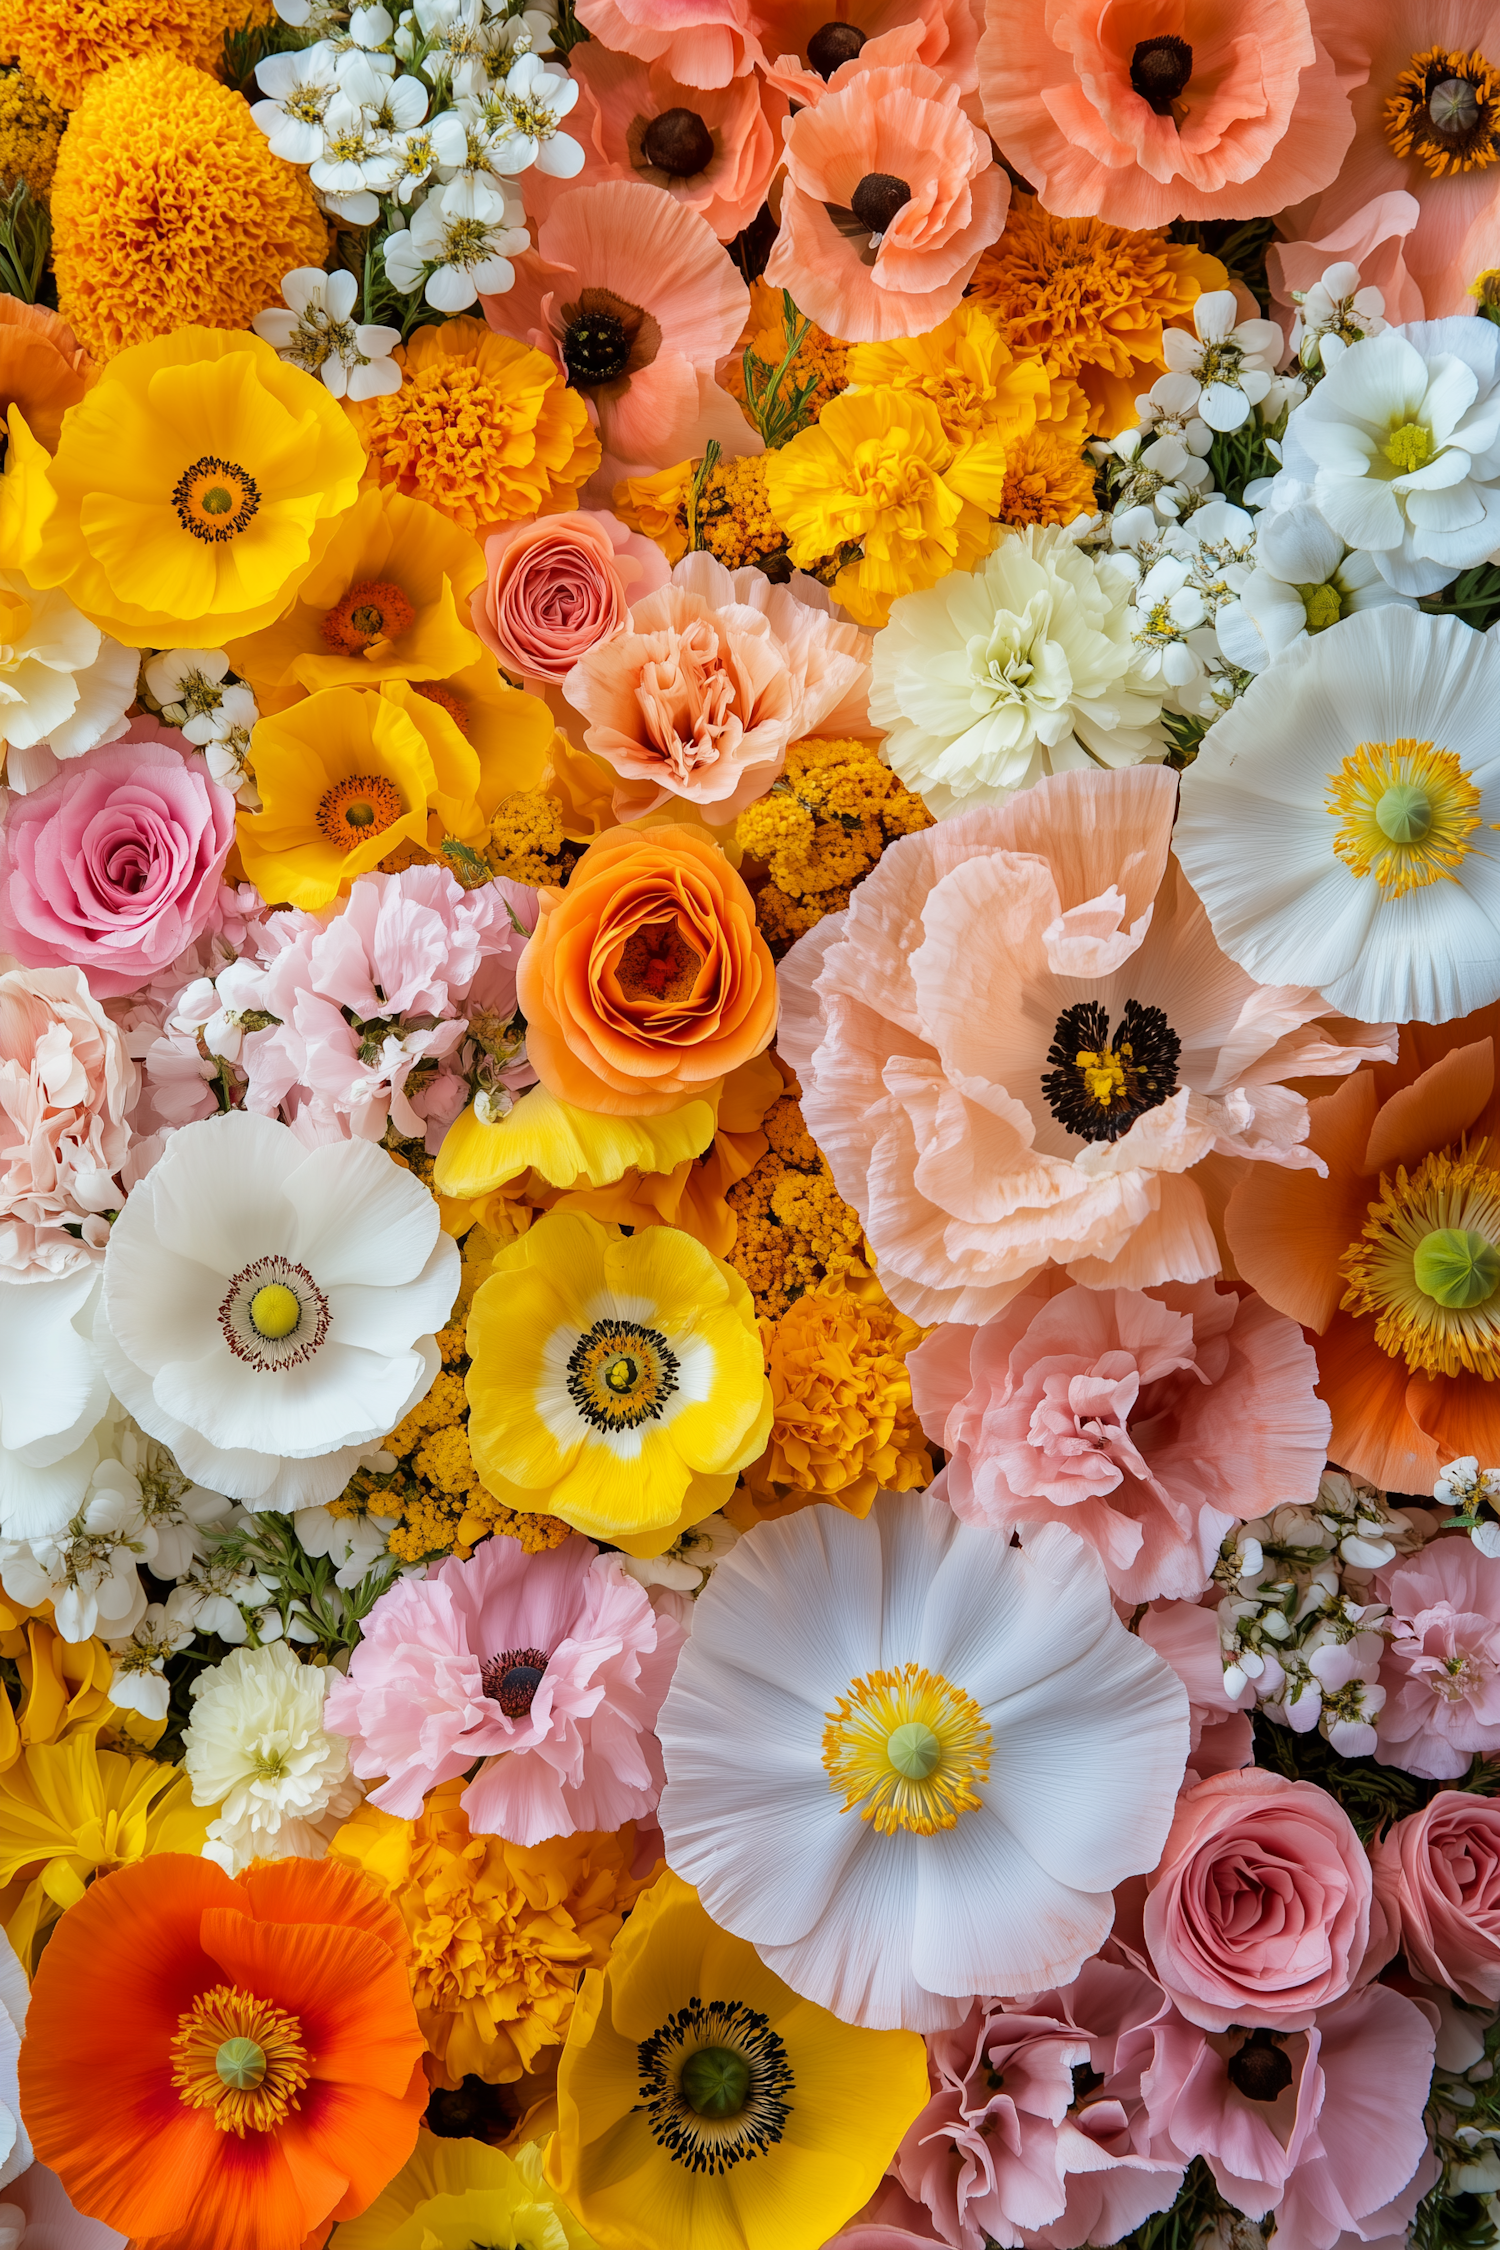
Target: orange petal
1287,1230
346,1989
1435,1109
248,2200
357,2137
1460,1413
320,1890
1367,1393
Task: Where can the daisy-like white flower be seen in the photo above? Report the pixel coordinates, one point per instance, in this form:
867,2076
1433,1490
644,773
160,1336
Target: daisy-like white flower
268,1310
219,1595
1304,580
65,687
1337,822
88,1569
316,333
393,102
1231,360
298,88
459,243
358,157
256,1746
355,1543
1202,566
1162,473
139,1681
463,43
537,100
1336,311
863,1740
689,1562
1400,443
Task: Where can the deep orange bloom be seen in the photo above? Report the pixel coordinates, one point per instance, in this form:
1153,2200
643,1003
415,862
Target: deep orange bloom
43,368
224,2065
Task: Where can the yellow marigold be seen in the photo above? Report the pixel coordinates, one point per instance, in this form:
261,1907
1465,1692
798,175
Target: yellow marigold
1047,480
169,210
501,1933
979,387
793,1226
65,44
656,506
1092,300
30,128
484,429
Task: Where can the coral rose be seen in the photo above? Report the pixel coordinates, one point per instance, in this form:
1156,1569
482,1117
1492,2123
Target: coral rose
1147,1423
43,368
559,585
1437,1877
890,197
115,864
1259,1910
1169,109
646,980
67,1085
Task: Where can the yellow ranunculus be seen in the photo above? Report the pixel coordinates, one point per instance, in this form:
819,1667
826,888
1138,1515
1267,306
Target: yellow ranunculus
450,2195
703,2106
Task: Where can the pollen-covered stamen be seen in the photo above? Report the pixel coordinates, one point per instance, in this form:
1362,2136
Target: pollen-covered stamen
1427,1265
909,1749
215,500
1098,1085
512,1680
1445,110
715,2085
373,611
1406,813
446,700
240,2057
621,1374
354,810
273,1314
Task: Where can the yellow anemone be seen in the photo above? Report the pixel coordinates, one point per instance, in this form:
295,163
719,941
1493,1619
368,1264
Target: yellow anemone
615,1382
196,486
451,2194
703,2106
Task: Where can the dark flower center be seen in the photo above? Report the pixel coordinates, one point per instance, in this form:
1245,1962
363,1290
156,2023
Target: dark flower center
1086,2081
596,348
1260,2071
877,199
1160,70
679,143
1099,1086
831,45
512,1680
715,2085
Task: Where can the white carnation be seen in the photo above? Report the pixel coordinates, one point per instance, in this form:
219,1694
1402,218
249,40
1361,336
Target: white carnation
255,1747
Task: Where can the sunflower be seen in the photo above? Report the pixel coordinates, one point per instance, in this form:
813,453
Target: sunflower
194,490
615,1382
703,2106
454,2193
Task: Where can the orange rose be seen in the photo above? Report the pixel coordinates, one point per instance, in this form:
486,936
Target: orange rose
646,979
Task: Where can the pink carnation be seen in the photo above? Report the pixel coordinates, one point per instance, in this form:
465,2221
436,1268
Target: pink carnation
1148,1421
1441,1667
1437,1877
67,1086
559,585
550,1668
114,865
1259,1911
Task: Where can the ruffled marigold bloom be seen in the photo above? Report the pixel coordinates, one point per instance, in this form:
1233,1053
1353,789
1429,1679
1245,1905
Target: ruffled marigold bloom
274,2077
65,49
1170,110
169,209
499,1933
457,2192
43,368
483,429
31,127
890,195
1048,478
978,386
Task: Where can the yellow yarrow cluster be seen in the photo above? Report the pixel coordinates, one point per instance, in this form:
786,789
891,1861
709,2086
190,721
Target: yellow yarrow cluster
820,360
793,1228
527,841
30,128
823,826
730,517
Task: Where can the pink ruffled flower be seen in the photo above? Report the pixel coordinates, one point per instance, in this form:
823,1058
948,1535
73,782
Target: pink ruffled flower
1437,1877
1040,2128
550,1668
1374,240
1187,1636
1149,1423
559,585
1441,1667
717,673
805,42
1259,1911
114,866
708,42
67,1087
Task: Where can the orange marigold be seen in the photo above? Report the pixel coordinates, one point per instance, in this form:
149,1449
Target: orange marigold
64,45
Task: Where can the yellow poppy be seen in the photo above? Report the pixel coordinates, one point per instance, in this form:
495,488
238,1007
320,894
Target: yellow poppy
450,2195
703,2106
616,1382
545,1143
26,497
196,484
511,731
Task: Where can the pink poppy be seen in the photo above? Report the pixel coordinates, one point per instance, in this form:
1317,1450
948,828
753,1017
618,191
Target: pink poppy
1165,109
1019,1044
67,1086
633,296
1221,1739
890,196
1374,240
1437,1877
709,41
806,41
1441,1666
556,586
549,1668
1147,1423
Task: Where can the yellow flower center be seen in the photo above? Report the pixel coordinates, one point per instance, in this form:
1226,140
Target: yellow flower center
275,1310
620,1375
1103,1074
1445,111
1322,607
1406,814
215,500
362,806
1409,447
909,1749
1427,1264
241,2057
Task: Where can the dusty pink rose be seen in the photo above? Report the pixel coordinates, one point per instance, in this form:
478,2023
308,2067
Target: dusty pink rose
717,673
1148,1421
709,41
1437,1876
67,1086
1259,1911
1441,1667
559,585
549,1668
1187,1636
114,866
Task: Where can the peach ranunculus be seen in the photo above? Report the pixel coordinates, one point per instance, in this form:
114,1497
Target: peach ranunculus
806,41
1164,109
1019,1044
1374,240
1437,1878
1259,1909
43,368
646,981
67,1085
891,194
559,585
709,41
717,673
1149,1424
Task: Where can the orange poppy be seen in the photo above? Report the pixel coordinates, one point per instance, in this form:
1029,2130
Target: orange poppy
43,368
217,2064
1393,1261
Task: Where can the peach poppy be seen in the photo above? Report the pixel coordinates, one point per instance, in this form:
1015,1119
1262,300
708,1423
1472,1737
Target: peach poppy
890,197
632,295
709,41
646,981
1156,110
235,2062
806,41
1393,1258
1019,1045
1426,119
1374,240
43,368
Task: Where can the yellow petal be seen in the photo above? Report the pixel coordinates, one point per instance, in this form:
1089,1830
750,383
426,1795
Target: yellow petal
567,1147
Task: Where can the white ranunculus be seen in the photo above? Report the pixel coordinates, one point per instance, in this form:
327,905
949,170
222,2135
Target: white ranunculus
256,1747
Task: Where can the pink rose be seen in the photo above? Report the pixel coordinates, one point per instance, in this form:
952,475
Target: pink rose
114,866
1259,1911
1437,1875
558,586
67,1085
1441,1667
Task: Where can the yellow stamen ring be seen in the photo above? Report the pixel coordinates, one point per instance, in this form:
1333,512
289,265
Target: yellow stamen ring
909,1749
215,500
1427,1264
1406,812
240,2057
358,808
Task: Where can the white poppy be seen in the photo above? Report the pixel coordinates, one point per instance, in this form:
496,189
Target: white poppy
1304,580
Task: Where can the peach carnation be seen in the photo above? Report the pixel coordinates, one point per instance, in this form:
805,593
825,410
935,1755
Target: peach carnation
67,1084
43,368
806,41
890,196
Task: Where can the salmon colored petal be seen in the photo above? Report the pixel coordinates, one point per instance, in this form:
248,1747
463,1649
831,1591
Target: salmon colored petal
1288,1230
305,1890
1367,1394
1435,1109
1460,1414
347,1990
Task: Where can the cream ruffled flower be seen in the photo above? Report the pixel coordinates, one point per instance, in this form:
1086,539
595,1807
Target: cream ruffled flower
65,687
255,1747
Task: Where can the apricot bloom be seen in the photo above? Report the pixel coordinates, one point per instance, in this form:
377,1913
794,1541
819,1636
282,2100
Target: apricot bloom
1169,109
1373,240
43,368
709,41
890,196
1020,1044
646,980
559,585
805,41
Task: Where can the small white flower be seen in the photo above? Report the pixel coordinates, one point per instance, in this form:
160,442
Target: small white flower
213,1598
186,682
462,45
462,240
1335,307
688,1563
1231,360
316,334
392,104
1170,409
361,208
357,156
255,1747
537,100
355,1543
88,1570
370,26
299,88
139,1682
